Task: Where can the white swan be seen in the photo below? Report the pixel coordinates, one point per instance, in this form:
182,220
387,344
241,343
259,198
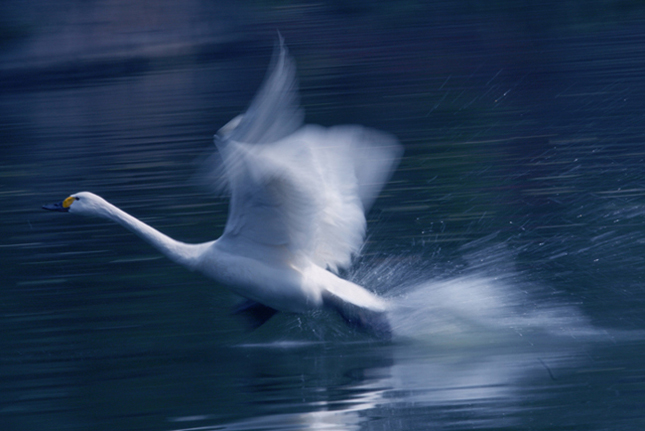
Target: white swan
297,212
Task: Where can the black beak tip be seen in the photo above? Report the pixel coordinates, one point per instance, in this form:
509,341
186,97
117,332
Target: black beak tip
58,206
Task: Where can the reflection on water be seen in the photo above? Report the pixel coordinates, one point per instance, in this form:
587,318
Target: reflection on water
407,386
510,241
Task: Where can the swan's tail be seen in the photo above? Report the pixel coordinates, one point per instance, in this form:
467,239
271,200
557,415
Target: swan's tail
372,321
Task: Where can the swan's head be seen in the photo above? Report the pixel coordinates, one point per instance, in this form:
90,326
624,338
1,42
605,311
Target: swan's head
79,203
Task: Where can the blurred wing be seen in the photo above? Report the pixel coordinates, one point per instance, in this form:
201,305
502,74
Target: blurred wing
351,164
307,194
298,191
275,112
374,156
271,212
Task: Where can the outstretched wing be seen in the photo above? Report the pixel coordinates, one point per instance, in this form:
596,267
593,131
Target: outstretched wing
303,192
274,112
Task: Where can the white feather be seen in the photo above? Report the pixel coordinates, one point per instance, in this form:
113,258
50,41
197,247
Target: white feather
301,190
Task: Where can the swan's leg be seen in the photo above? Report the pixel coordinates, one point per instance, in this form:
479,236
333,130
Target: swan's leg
364,319
256,314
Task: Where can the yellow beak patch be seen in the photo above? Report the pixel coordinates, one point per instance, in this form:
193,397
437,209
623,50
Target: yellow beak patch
68,202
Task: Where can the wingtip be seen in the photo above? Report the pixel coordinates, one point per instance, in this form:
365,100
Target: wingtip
280,39
275,111
281,52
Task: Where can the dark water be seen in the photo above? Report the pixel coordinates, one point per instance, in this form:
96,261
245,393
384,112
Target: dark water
510,240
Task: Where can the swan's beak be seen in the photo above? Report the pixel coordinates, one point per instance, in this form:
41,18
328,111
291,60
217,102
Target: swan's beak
58,206
62,206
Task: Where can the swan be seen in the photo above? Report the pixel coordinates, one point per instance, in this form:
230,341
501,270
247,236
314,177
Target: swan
298,198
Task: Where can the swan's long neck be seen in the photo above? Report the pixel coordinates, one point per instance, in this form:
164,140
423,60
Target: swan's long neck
185,254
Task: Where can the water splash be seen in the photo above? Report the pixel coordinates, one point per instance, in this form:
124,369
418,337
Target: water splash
482,299
477,308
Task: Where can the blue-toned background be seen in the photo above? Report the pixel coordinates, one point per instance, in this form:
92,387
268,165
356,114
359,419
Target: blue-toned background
511,240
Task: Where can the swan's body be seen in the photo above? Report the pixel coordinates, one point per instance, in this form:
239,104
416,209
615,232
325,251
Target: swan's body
297,212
